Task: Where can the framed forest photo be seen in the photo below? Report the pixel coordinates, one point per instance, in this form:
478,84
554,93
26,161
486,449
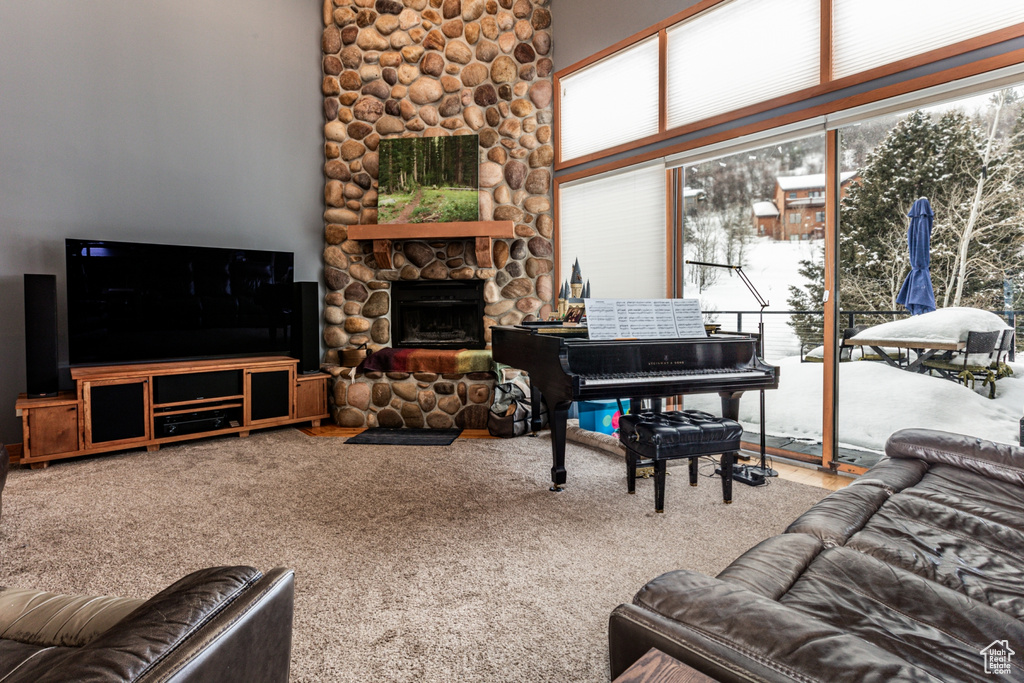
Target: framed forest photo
428,180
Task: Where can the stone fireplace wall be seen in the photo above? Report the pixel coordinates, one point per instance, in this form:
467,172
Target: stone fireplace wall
396,68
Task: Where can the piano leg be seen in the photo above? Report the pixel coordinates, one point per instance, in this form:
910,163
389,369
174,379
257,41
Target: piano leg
726,464
557,416
731,410
731,404
536,422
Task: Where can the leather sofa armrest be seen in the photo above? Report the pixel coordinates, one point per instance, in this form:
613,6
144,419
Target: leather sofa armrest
734,635
51,620
997,460
229,624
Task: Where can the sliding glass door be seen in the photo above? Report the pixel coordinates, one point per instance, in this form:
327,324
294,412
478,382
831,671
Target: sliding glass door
762,210
931,257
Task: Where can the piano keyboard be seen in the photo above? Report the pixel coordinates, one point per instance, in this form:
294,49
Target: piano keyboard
673,376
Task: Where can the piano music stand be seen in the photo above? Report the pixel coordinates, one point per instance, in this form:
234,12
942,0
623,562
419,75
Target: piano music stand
750,474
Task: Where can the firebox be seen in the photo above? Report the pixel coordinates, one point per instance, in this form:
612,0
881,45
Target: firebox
438,315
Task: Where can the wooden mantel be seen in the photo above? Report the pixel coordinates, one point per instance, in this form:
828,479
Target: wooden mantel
383,234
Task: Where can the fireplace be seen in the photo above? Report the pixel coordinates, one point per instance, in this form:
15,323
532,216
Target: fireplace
438,315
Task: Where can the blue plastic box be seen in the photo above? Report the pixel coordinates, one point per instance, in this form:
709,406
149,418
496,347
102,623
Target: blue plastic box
600,416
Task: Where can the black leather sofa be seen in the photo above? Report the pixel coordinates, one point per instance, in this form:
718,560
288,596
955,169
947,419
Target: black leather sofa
223,625
915,572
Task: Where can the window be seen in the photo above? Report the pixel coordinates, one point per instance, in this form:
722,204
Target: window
792,195
712,68
819,216
597,101
900,158
869,33
615,226
794,217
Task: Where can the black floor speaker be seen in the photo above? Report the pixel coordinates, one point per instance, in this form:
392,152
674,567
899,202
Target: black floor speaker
306,326
41,335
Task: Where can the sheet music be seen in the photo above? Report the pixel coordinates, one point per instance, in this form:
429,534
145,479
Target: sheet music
689,321
602,319
644,318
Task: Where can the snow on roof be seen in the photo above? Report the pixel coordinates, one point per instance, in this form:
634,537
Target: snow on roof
765,209
693,192
948,325
807,182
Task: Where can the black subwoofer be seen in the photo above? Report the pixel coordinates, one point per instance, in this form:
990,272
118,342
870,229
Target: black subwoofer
306,326
41,335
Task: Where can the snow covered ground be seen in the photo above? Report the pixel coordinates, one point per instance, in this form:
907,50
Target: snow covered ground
771,266
875,399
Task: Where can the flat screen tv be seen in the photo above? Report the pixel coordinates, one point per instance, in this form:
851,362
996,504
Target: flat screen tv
131,302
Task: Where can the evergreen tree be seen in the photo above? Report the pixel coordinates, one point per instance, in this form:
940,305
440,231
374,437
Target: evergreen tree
809,327
920,157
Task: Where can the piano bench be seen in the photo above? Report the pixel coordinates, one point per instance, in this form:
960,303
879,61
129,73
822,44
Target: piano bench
655,438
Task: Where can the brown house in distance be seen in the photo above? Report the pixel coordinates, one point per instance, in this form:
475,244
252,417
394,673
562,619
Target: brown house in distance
798,210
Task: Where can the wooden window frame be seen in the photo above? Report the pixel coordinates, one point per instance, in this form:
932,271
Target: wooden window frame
827,84
832,192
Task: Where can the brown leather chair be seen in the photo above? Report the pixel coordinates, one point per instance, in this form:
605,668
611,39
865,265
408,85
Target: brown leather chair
224,624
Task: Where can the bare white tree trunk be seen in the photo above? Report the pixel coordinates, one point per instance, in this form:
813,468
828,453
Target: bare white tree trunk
965,238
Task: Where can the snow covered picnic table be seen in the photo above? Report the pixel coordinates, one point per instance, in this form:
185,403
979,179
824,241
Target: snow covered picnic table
925,350
943,330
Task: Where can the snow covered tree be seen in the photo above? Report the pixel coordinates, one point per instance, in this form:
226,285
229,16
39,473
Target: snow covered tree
737,232
971,180
700,235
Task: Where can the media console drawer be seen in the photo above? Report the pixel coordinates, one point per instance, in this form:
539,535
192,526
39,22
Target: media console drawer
196,386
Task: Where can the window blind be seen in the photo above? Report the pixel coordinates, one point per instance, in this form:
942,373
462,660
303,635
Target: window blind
610,102
869,33
739,53
615,225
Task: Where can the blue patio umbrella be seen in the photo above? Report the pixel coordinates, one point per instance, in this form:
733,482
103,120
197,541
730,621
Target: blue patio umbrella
916,294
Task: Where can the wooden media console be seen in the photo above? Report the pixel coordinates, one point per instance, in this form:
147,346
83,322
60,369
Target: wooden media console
116,407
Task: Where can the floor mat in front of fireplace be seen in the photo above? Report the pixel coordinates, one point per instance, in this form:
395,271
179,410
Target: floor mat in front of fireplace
387,436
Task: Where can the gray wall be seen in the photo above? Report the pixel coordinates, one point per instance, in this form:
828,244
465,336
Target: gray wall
174,121
584,27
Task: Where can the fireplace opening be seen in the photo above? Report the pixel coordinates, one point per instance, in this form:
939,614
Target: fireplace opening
438,315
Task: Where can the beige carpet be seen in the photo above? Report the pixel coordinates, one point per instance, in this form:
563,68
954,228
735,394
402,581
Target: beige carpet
412,563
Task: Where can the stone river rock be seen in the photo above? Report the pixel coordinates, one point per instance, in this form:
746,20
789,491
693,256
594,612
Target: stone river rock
425,90
515,174
361,272
389,418
359,395
381,394
540,247
518,250
419,253
439,421
336,279
406,390
350,417
380,331
490,174
540,93
377,305
517,288
436,270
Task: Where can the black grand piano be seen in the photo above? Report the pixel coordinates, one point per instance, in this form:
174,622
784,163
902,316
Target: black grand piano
565,366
